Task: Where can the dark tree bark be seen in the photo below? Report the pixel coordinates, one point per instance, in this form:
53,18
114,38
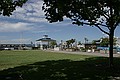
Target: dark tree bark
111,37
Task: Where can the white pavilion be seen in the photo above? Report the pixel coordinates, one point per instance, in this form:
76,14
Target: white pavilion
44,42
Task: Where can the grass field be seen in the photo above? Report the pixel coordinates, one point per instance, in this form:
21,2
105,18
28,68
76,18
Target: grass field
10,59
41,65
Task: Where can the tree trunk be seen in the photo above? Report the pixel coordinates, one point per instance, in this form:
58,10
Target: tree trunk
111,47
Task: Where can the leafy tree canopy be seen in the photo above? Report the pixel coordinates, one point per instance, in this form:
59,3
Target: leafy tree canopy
8,6
105,41
79,43
90,12
53,43
71,41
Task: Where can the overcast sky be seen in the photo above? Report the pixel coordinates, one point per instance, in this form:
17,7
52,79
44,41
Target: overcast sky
28,24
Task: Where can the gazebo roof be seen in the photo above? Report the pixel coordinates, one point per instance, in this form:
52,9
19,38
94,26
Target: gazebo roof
45,39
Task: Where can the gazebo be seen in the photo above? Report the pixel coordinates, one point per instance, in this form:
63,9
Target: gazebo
44,43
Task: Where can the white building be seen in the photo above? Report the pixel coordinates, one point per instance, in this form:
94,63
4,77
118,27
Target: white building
118,42
44,42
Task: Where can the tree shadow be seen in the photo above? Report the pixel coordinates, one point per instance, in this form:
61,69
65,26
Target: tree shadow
96,68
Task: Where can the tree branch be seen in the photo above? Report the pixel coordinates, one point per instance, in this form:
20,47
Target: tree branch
101,25
97,25
101,9
102,30
106,16
116,24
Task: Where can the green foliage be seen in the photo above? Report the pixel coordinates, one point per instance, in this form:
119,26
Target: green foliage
79,43
94,42
86,40
70,42
89,12
52,44
8,6
105,42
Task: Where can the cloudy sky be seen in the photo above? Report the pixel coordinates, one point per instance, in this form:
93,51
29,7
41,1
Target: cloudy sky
28,24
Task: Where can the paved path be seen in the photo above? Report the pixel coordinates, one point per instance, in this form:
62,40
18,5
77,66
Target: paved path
86,53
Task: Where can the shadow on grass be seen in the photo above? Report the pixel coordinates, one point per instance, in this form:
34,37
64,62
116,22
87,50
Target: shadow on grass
90,69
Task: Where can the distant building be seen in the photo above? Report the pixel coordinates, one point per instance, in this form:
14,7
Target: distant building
91,45
118,42
15,46
9,46
44,42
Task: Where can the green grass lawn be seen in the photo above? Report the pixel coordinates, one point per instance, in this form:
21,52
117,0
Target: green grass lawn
10,59
41,65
